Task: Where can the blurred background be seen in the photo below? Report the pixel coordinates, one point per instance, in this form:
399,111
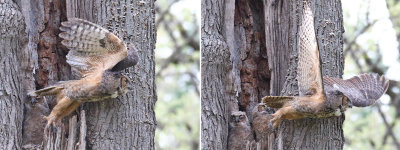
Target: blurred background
371,44
178,75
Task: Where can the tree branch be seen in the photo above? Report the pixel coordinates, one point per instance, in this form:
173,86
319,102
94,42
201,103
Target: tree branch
396,143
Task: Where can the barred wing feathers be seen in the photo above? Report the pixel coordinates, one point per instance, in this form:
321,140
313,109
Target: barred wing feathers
93,49
309,69
362,90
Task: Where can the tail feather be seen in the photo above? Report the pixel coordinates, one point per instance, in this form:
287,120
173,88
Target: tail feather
51,90
276,101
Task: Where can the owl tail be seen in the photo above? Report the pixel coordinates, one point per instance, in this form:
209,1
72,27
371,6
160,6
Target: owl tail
51,90
276,101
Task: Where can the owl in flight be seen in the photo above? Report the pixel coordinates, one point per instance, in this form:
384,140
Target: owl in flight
97,56
319,96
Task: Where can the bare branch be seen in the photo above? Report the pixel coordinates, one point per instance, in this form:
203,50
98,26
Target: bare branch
162,15
395,141
353,41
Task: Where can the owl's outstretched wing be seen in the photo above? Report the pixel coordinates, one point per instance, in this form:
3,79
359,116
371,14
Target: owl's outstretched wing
93,49
309,69
362,90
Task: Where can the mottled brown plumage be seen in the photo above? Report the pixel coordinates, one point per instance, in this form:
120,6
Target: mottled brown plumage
240,134
319,97
260,122
94,52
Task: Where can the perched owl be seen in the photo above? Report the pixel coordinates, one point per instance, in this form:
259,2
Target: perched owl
322,97
97,56
240,134
260,124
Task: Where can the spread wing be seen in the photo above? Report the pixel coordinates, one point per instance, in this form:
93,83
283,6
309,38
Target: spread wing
362,90
309,70
277,101
93,49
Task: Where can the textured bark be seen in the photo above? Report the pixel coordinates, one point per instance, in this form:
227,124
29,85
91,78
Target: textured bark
306,133
215,68
233,65
264,50
42,19
31,57
233,62
127,122
12,42
250,40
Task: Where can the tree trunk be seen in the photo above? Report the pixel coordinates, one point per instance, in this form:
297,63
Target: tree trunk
305,133
215,68
32,58
261,39
12,41
128,121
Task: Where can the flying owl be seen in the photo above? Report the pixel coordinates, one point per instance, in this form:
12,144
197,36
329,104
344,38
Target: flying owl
260,126
97,56
240,134
322,97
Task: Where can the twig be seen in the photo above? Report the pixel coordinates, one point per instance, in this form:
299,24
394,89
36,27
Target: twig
353,41
388,126
176,55
164,13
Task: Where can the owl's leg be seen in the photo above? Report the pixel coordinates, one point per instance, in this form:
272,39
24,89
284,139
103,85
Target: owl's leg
74,105
59,111
279,115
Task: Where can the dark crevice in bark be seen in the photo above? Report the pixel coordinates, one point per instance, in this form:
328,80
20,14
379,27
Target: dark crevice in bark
52,66
250,41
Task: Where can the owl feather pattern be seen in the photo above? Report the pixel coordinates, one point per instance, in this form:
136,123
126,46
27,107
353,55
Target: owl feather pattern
362,90
239,131
92,48
97,56
322,97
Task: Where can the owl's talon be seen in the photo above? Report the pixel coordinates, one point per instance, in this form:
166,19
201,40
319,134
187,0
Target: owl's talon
33,99
52,121
57,123
270,125
274,122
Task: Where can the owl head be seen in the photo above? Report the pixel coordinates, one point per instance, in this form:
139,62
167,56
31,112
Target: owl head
260,109
238,118
116,79
338,101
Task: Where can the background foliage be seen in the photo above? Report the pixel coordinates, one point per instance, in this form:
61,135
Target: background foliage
177,74
371,44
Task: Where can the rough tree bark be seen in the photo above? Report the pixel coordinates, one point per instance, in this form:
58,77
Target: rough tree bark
306,133
261,39
215,68
32,58
12,41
